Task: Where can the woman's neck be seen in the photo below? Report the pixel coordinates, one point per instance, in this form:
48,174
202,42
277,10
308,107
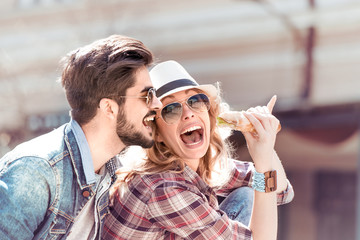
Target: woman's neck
193,164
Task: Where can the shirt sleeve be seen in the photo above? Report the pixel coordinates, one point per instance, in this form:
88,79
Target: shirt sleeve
189,215
239,176
286,196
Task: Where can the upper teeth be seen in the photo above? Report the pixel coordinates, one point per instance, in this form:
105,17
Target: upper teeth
191,129
149,118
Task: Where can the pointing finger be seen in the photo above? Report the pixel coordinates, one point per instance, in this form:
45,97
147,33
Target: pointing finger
271,103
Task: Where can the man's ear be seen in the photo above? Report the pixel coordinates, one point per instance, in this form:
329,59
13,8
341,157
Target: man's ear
109,108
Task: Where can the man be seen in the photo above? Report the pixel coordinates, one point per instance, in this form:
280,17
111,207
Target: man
56,186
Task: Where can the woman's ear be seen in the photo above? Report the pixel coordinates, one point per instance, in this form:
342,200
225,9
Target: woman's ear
109,108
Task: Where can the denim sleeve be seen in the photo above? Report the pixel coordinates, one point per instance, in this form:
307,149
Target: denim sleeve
25,195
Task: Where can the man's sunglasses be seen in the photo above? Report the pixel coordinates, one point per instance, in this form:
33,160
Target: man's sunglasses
151,93
172,112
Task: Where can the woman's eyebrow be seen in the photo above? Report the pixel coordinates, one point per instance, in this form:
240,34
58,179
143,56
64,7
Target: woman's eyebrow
186,92
170,96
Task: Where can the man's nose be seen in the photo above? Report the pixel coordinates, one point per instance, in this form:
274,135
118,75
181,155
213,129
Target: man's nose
156,104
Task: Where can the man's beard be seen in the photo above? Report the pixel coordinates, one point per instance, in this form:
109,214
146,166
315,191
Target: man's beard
128,133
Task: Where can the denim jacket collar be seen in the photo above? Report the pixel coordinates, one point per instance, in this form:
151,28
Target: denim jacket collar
76,157
85,153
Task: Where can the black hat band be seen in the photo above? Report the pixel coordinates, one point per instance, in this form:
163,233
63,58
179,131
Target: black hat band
173,85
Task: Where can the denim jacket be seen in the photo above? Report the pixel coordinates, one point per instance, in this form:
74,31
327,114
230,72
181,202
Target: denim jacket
43,187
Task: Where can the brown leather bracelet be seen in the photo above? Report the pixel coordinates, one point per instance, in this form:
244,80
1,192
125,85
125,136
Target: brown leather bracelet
270,181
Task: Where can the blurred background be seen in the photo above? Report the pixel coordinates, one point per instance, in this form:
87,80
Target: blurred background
307,52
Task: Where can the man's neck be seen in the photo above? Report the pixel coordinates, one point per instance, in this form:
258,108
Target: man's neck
103,144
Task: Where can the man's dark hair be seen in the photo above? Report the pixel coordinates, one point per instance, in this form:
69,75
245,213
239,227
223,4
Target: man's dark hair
104,68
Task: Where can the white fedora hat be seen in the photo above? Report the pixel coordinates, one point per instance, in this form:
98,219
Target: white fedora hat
170,77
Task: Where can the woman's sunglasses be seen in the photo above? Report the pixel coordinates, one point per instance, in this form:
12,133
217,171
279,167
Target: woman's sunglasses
172,112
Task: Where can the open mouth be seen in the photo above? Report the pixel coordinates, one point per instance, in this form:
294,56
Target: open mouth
192,135
149,120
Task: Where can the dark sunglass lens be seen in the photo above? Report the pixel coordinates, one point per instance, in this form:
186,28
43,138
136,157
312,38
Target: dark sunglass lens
171,112
199,102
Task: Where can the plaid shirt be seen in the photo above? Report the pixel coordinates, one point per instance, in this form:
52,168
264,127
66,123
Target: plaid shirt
178,206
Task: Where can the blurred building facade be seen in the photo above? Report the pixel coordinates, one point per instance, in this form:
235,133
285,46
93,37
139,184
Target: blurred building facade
305,52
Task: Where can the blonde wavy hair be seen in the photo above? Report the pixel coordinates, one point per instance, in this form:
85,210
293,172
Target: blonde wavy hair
159,158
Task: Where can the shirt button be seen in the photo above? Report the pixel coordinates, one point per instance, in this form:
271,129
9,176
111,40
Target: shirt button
86,193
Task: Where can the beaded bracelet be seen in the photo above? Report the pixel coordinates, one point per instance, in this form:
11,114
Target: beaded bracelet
258,181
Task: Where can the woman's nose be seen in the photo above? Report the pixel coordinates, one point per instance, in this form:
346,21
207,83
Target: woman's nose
187,112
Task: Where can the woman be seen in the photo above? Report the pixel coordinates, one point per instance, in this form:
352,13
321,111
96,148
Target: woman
173,193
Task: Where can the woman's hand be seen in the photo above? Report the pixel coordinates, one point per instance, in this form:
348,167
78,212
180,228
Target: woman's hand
261,145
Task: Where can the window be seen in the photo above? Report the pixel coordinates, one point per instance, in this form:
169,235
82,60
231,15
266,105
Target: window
335,202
